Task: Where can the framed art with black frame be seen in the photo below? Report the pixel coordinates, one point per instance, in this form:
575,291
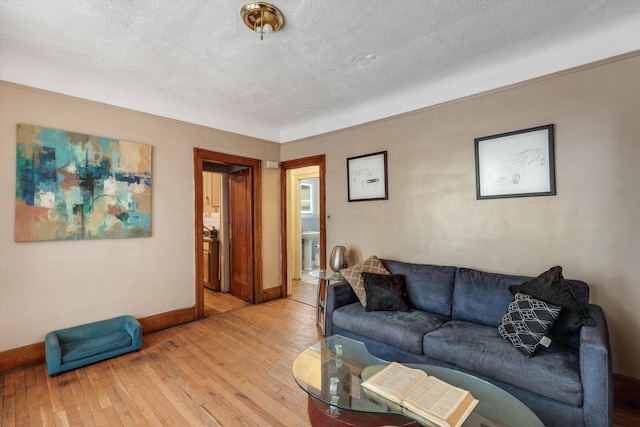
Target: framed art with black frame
516,164
367,177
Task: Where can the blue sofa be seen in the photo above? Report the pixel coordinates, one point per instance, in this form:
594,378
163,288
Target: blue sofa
81,345
454,323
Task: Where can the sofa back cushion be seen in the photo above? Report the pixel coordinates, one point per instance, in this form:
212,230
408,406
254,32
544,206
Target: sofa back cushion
430,287
481,297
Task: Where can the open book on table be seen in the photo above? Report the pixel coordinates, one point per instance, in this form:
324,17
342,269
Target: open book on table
427,396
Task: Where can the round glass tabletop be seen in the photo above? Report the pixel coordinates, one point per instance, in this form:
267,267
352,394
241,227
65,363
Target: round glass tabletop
333,369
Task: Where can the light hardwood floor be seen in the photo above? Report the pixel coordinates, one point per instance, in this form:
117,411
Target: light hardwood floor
231,369
220,302
304,292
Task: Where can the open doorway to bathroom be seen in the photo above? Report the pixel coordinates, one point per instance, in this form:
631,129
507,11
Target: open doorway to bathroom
303,225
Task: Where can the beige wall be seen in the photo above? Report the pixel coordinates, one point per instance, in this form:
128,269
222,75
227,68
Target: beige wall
49,285
591,228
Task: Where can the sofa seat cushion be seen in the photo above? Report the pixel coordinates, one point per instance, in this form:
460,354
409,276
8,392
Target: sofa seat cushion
553,373
402,329
78,350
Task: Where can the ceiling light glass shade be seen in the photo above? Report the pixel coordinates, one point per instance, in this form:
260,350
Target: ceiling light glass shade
264,29
262,17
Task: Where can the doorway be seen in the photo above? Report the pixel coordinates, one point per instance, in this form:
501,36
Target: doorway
303,226
240,225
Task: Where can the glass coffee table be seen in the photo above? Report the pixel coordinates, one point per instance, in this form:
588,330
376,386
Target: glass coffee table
332,370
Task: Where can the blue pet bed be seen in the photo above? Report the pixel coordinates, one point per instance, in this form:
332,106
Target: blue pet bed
81,345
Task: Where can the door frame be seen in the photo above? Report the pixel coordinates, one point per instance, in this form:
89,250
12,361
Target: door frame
284,167
201,155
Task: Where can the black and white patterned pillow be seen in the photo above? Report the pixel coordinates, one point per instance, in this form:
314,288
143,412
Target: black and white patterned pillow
526,323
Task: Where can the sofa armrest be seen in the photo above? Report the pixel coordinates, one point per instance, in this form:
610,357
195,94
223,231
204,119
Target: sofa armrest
338,294
133,328
596,370
53,353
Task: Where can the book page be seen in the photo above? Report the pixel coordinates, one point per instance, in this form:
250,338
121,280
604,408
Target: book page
437,397
395,381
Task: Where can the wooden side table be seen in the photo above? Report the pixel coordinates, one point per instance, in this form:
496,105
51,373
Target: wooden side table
324,277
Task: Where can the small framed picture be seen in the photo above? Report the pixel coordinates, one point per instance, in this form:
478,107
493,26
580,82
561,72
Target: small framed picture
367,177
516,164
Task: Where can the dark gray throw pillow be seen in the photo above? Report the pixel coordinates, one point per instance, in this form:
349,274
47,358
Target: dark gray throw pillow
552,288
526,323
385,292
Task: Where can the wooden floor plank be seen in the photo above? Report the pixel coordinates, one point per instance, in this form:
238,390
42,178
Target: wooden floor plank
143,395
220,302
44,406
8,414
70,411
2,402
55,397
22,411
130,414
89,411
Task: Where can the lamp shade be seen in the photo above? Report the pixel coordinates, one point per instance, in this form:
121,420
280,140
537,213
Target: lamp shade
339,258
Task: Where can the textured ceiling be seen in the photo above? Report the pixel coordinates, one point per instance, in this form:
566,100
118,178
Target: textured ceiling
334,64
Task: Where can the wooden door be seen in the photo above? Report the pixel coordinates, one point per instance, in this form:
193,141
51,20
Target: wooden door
241,236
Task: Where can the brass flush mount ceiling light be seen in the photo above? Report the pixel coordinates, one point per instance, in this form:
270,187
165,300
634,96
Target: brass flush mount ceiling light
262,17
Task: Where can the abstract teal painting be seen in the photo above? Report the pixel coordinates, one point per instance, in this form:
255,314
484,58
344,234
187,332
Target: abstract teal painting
72,186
